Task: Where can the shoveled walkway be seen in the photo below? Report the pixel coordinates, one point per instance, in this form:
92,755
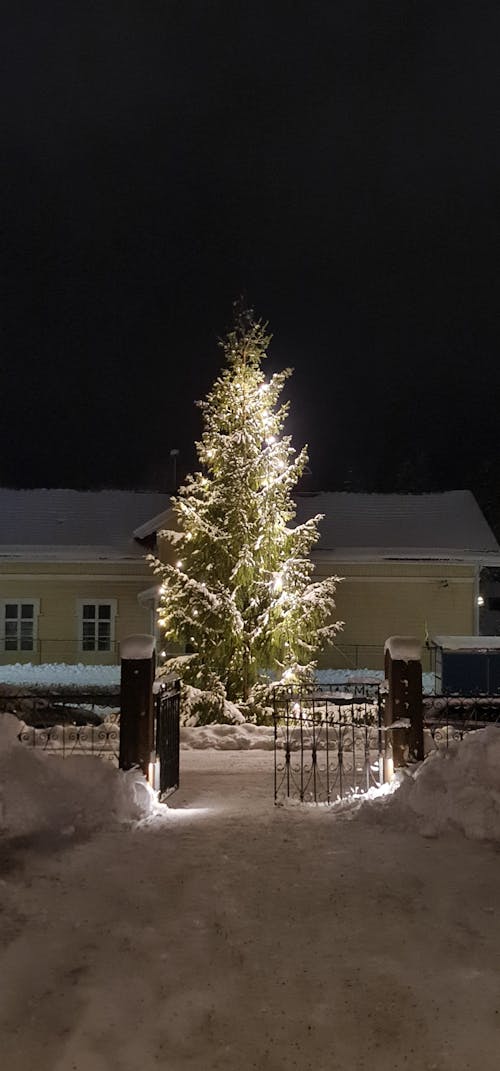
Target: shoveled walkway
232,935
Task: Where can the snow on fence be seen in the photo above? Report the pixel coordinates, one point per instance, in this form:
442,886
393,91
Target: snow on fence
448,718
65,724
65,740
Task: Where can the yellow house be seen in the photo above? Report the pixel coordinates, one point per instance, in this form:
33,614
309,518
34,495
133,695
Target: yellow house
410,565
73,579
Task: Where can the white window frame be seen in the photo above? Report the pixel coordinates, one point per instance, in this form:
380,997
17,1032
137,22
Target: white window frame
96,602
19,601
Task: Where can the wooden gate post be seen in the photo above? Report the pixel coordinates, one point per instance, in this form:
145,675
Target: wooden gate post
136,702
403,671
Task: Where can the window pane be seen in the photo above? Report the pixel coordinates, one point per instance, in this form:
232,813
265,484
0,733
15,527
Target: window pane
11,645
89,611
104,639
11,628
11,609
27,610
105,613
26,643
26,628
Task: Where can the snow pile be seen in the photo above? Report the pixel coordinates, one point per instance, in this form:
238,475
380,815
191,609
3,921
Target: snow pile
55,673
456,788
242,737
39,793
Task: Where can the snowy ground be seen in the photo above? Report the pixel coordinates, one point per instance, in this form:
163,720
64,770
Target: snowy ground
228,934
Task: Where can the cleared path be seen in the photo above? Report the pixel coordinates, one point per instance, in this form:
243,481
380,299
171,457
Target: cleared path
235,935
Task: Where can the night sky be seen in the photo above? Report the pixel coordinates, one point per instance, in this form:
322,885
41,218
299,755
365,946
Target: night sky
337,162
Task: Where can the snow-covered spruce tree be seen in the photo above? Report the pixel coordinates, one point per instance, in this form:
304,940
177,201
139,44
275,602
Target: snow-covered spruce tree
240,593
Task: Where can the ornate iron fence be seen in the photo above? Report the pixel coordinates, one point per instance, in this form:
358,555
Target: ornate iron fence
65,724
328,742
449,717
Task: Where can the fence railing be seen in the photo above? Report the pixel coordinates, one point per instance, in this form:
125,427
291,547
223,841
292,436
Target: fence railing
67,723
449,717
353,656
59,650
65,740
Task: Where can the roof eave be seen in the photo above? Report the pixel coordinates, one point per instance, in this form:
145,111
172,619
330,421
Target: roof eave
155,524
35,553
368,555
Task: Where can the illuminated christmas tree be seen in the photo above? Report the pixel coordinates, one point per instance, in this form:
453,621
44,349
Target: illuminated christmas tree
240,595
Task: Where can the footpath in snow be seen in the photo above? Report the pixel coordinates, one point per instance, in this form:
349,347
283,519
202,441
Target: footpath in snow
224,933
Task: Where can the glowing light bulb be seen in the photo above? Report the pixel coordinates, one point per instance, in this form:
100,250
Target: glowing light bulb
178,564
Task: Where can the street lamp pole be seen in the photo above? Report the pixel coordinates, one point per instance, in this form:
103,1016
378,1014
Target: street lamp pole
174,454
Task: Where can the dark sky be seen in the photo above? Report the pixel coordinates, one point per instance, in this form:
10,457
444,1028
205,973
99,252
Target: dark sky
337,161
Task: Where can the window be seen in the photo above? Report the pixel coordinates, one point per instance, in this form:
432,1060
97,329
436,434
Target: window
19,624
97,626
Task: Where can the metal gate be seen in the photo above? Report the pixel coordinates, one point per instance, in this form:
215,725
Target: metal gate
328,744
168,735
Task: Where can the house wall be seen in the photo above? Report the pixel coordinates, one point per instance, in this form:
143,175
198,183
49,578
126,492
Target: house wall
381,599
378,600
59,587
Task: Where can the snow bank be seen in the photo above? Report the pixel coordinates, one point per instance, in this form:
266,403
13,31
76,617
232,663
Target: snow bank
54,673
456,788
40,793
241,737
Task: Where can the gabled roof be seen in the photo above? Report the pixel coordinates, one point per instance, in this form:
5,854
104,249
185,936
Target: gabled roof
60,524
47,524
442,526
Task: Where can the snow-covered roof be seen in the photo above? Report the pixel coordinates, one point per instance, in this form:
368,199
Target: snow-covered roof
467,643
154,524
59,524
445,526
